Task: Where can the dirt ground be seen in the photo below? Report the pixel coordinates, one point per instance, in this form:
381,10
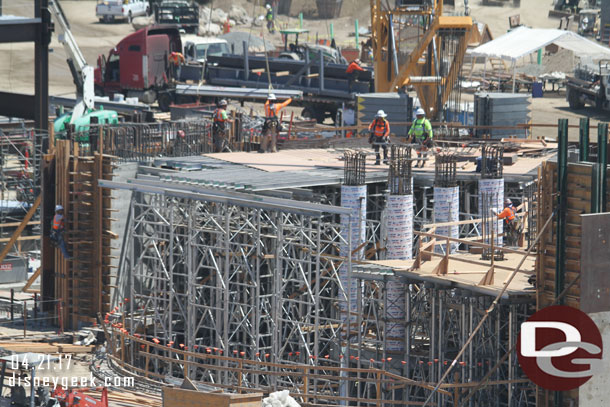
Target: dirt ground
94,38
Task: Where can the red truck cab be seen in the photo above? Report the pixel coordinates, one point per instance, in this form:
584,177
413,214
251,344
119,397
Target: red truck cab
139,65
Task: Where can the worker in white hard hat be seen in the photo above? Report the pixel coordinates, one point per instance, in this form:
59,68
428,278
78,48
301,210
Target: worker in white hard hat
270,18
380,136
421,133
57,231
272,126
512,224
219,128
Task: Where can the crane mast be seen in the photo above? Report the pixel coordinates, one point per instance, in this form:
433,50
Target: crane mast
82,73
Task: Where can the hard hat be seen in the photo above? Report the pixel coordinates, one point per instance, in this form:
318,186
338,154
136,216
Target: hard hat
268,6
59,208
357,61
271,97
420,112
222,103
380,113
508,202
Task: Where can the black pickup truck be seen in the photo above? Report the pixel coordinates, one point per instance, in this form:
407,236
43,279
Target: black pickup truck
181,13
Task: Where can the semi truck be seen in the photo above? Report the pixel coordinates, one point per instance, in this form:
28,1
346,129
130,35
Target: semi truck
150,65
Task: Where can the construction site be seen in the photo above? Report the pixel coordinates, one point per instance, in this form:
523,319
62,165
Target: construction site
212,218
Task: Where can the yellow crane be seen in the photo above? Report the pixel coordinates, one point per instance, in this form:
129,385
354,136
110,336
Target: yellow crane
414,44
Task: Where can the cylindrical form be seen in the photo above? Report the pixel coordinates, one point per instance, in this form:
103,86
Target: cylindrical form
447,209
491,198
399,247
354,198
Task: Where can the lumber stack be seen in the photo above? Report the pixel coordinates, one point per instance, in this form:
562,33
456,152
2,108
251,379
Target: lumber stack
82,283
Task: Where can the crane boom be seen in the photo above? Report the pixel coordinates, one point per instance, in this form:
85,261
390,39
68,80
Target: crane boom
82,73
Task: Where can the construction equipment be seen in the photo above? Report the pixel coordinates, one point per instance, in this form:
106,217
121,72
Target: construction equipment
82,74
76,398
590,85
415,45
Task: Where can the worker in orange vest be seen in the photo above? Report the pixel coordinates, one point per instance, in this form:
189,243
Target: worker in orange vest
353,71
219,128
57,231
511,223
380,135
272,126
175,60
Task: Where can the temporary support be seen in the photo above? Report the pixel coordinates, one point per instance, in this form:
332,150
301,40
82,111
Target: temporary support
20,229
583,145
562,183
602,149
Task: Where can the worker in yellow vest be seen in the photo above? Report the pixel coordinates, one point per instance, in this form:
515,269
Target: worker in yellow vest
421,133
220,128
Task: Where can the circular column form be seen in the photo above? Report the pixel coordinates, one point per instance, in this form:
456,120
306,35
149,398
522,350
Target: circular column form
493,191
447,209
399,247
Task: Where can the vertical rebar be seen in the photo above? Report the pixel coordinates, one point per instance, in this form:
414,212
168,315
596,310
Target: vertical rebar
492,157
399,173
354,169
445,171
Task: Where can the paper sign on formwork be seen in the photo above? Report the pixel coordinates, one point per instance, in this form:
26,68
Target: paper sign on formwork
493,189
353,198
447,209
399,247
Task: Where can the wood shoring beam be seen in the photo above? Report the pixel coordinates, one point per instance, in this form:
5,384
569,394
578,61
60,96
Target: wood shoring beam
20,229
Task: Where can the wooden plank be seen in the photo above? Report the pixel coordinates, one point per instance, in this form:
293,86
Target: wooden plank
31,280
14,224
19,239
20,229
173,397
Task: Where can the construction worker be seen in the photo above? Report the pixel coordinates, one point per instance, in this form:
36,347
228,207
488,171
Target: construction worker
219,128
272,127
270,19
421,133
511,227
176,59
353,71
380,135
57,231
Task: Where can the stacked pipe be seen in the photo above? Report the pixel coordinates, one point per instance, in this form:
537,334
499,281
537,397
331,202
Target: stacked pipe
491,194
446,199
399,241
353,229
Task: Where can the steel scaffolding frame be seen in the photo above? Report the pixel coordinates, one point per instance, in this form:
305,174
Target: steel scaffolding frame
242,277
439,321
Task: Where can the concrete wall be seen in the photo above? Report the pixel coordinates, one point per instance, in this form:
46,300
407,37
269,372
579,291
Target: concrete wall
596,392
120,203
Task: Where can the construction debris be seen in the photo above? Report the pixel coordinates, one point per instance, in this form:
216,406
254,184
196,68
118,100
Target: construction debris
280,399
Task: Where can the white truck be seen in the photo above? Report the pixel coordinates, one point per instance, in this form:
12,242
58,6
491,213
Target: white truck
110,10
197,49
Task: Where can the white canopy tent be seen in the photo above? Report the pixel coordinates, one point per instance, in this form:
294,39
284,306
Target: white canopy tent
523,41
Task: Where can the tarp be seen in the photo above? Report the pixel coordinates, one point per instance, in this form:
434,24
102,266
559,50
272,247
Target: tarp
522,41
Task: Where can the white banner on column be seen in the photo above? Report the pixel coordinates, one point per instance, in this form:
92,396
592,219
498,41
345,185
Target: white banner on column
494,190
447,209
354,198
399,247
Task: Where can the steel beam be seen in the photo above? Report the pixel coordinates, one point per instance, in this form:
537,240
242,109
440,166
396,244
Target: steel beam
562,183
17,105
19,29
583,145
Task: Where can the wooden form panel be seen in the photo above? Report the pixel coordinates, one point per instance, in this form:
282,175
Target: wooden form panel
81,282
173,397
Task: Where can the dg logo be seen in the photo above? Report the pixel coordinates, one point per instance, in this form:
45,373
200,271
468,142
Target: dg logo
560,348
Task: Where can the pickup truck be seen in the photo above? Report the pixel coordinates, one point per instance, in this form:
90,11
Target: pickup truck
110,10
183,14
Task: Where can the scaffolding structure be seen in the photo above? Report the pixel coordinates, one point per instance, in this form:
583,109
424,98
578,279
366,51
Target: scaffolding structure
242,279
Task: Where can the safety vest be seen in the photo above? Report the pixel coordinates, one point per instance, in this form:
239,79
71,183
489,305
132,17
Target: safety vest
218,116
418,129
270,111
379,127
512,215
58,222
176,58
269,15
